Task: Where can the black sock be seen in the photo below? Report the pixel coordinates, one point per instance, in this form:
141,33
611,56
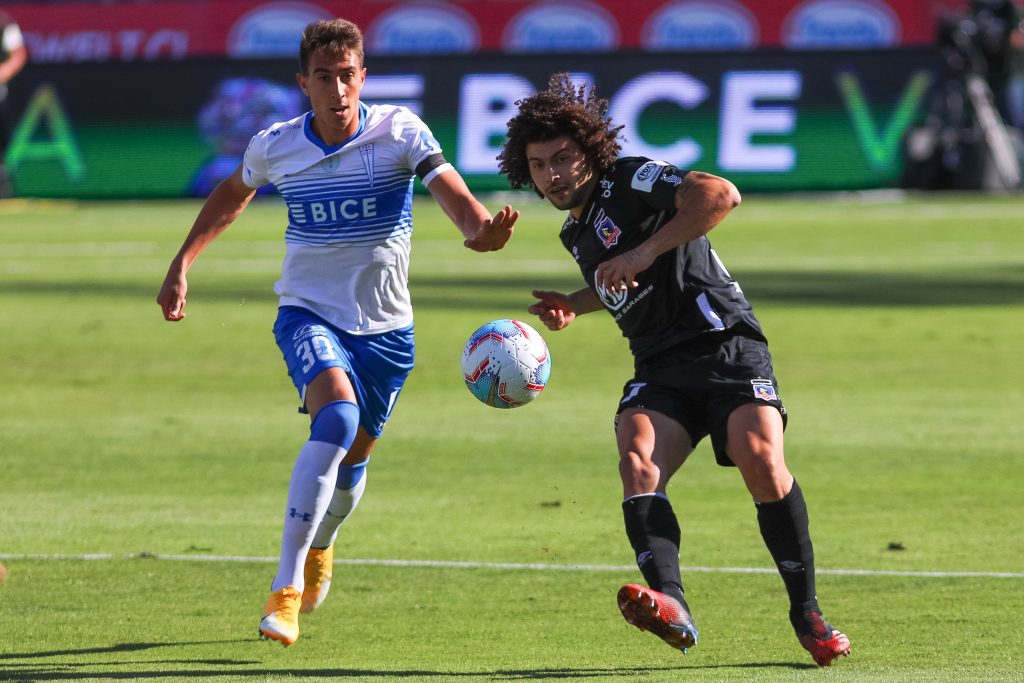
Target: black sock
653,532
784,529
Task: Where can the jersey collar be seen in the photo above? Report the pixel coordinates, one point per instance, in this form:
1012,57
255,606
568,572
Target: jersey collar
331,149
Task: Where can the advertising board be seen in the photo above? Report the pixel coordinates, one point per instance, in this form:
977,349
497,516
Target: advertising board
770,121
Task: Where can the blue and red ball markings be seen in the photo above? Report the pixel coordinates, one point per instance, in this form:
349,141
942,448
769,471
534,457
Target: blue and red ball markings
485,383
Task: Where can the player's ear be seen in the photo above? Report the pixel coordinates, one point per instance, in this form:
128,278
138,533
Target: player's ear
301,80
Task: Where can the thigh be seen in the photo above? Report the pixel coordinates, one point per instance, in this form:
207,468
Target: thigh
315,357
739,375
652,447
666,390
332,384
322,358
755,447
381,365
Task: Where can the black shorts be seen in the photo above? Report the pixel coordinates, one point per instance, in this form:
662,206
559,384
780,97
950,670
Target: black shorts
699,384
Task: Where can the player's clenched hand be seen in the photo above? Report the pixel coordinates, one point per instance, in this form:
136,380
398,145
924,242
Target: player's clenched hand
554,309
618,273
172,296
494,232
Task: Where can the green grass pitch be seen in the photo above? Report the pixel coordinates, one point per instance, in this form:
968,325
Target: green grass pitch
896,328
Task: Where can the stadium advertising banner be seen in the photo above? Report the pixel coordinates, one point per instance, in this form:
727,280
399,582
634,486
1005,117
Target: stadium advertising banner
770,121
182,29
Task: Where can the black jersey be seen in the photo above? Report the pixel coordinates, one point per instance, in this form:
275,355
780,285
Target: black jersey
685,293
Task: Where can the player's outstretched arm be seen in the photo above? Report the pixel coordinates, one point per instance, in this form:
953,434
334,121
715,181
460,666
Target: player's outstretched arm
221,208
474,221
557,310
702,201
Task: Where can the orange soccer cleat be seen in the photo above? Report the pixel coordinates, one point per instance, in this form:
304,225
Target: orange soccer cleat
662,615
317,573
280,620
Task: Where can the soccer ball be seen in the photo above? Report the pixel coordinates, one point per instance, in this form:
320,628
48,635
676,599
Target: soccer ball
506,363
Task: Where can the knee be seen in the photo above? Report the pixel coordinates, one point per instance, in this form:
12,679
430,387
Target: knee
336,423
639,473
764,470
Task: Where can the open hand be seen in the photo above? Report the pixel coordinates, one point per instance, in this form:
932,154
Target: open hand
494,232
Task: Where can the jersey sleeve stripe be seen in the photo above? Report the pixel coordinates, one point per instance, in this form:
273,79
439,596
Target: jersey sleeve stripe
429,164
436,172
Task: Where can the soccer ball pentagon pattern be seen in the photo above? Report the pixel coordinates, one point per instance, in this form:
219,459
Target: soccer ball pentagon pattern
506,363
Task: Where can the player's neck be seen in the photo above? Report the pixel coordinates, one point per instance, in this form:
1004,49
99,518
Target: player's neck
585,195
333,136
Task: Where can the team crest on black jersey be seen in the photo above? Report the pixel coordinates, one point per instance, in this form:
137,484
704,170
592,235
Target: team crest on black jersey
607,231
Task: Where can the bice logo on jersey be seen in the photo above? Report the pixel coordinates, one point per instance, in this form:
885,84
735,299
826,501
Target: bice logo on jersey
607,231
333,210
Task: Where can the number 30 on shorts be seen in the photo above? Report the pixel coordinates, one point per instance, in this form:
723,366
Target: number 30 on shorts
320,346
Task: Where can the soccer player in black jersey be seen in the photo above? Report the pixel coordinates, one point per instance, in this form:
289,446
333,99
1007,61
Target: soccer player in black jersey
637,229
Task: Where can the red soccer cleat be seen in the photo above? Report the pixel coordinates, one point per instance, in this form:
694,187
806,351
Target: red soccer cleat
662,615
822,641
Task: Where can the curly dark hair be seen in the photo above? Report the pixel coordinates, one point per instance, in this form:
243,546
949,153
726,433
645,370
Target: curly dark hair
562,109
332,36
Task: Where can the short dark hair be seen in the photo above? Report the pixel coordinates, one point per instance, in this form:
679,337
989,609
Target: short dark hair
331,36
562,109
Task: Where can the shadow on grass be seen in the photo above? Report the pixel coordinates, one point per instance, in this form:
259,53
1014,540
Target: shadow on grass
214,668
262,673
119,647
963,287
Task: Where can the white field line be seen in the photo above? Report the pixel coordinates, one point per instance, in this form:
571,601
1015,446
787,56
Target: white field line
502,565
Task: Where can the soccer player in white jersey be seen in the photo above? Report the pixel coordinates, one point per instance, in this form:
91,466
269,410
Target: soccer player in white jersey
345,324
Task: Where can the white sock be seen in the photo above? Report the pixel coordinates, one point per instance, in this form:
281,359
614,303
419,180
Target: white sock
342,505
309,493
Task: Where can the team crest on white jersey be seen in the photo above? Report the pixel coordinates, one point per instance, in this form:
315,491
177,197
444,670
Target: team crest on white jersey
366,151
330,163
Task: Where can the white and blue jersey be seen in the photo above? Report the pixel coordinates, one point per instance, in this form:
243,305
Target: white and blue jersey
349,213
